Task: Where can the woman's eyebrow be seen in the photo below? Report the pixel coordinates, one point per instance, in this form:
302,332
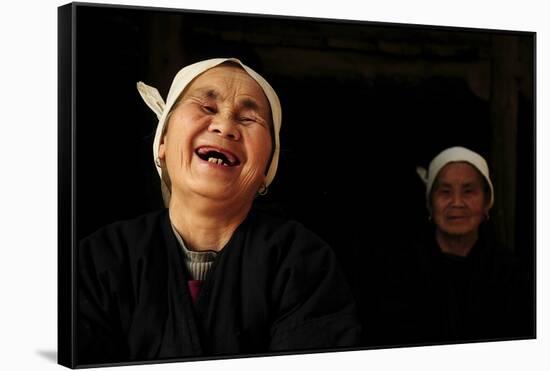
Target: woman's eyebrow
469,184
209,93
250,104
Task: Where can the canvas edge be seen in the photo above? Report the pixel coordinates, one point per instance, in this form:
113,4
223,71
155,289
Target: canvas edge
65,161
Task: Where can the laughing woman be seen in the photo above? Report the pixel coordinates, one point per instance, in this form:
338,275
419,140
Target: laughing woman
210,275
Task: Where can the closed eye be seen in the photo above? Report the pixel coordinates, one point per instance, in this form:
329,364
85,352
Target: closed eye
445,192
470,191
209,109
249,119
246,119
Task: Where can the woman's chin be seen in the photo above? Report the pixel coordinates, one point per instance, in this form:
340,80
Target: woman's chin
215,192
458,230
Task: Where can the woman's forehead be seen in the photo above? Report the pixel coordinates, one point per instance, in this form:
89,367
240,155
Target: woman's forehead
226,79
461,172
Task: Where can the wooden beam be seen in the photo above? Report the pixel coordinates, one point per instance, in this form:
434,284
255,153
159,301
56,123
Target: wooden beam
504,117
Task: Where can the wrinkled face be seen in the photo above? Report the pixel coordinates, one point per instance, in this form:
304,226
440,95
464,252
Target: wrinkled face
459,203
218,140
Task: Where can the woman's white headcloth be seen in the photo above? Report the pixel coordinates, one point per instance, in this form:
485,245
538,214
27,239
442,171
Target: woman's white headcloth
454,154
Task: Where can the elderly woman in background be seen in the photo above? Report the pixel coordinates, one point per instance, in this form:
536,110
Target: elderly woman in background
455,284
470,289
459,195
210,275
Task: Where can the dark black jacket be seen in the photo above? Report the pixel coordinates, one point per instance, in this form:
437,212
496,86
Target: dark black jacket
433,297
275,286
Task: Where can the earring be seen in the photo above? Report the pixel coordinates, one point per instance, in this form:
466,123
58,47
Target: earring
430,217
157,162
487,217
263,190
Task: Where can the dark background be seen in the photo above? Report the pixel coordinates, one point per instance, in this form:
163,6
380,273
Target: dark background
363,105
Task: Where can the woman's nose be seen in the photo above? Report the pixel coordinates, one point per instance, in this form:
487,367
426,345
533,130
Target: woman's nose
457,199
225,127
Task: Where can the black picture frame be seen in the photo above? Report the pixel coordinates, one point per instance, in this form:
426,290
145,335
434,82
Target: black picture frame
435,86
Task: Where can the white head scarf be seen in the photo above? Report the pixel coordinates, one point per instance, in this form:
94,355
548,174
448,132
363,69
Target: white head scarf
153,99
454,154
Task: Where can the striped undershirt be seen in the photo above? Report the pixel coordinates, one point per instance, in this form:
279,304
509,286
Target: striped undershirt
198,263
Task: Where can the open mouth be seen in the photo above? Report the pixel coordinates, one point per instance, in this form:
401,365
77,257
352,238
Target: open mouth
217,156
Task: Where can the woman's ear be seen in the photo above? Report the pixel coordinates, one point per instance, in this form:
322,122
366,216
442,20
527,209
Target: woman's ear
162,148
486,211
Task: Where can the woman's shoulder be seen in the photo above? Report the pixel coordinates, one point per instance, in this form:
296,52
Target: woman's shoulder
119,237
283,236
131,227
276,225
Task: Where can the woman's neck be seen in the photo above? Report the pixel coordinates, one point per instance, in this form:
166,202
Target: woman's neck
459,245
204,224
